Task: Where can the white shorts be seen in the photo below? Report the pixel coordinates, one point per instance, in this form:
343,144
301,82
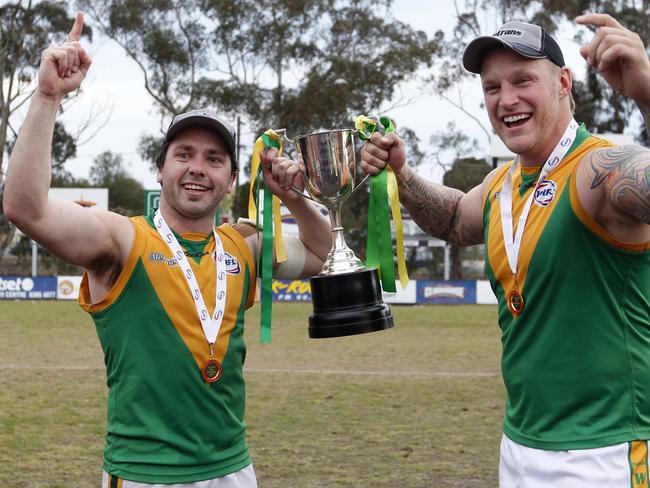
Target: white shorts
621,465
244,478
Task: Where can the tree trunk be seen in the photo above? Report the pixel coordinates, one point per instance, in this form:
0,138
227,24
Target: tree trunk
8,238
4,122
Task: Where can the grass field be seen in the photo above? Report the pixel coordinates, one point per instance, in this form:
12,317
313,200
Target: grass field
419,405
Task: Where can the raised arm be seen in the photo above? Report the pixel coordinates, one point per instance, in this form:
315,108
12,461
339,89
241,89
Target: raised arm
621,58
614,183
93,239
443,212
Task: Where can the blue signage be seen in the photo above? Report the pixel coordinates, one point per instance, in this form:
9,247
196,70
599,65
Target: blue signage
28,287
446,291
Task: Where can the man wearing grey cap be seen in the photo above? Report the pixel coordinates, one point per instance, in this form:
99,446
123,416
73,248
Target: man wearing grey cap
567,233
167,291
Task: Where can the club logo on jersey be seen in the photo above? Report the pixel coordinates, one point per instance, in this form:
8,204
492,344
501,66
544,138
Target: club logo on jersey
232,264
545,193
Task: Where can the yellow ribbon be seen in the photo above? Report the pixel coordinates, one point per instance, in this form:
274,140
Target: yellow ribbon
365,125
280,250
393,195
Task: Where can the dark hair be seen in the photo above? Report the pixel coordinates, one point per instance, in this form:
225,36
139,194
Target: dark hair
160,157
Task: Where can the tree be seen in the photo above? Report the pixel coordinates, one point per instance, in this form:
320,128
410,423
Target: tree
299,65
279,63
26,27
107,166
167,40
125,194
465,174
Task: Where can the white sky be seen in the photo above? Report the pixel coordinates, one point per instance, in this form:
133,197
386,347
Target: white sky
115,80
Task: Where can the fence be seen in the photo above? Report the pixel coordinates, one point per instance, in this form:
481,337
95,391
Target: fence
417,292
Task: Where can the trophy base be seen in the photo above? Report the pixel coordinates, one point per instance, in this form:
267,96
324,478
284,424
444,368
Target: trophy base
348,304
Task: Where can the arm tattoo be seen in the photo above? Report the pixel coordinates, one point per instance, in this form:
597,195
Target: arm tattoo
433,207
626,173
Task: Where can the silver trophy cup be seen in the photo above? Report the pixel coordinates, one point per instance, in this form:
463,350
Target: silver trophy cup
346,295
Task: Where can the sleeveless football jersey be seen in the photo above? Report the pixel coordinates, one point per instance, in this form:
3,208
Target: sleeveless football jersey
576,361
165,424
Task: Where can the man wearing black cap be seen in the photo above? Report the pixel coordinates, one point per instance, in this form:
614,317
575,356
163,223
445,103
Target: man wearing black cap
167,291
567,234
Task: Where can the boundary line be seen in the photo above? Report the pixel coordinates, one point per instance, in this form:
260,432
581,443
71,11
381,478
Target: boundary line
426,374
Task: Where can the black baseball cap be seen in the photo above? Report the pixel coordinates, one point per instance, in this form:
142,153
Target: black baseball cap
528,40
209,120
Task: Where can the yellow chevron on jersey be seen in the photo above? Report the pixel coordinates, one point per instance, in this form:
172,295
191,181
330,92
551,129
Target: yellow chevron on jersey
596,228
172,290
540,212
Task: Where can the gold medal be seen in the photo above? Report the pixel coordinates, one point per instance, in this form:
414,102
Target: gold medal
211,370
516,302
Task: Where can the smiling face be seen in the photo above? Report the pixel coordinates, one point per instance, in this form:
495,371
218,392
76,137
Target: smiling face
195,177
527,102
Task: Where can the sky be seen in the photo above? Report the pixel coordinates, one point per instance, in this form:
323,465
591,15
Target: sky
114,88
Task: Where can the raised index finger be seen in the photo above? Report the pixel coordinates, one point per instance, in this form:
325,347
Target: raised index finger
599,20
75,32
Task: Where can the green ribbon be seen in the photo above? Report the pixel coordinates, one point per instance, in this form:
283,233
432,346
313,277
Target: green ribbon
265,258
267,268
269,142
379,244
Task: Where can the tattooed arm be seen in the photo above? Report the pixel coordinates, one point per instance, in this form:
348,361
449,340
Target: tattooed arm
440,211
614,188
443,212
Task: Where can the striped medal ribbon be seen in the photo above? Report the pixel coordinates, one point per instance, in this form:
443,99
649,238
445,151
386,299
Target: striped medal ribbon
513,243
211,368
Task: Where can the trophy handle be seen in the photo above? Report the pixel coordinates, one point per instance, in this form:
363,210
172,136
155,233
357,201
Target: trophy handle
283,134
304,195
357,186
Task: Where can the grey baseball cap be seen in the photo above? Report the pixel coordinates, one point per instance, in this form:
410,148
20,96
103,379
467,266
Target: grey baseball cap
528,40
207,119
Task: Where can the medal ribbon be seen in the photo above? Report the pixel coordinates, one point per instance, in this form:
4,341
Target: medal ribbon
383,188
513,244
271,219
210,324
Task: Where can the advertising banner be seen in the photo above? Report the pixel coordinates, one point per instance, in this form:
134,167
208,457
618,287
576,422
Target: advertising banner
455,292
27,287
291,291
67,287
484,293
406,296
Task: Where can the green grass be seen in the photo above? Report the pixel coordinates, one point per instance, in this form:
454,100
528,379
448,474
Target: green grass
419,405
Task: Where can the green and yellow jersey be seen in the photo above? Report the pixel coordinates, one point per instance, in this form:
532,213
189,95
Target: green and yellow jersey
165,424
576,361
